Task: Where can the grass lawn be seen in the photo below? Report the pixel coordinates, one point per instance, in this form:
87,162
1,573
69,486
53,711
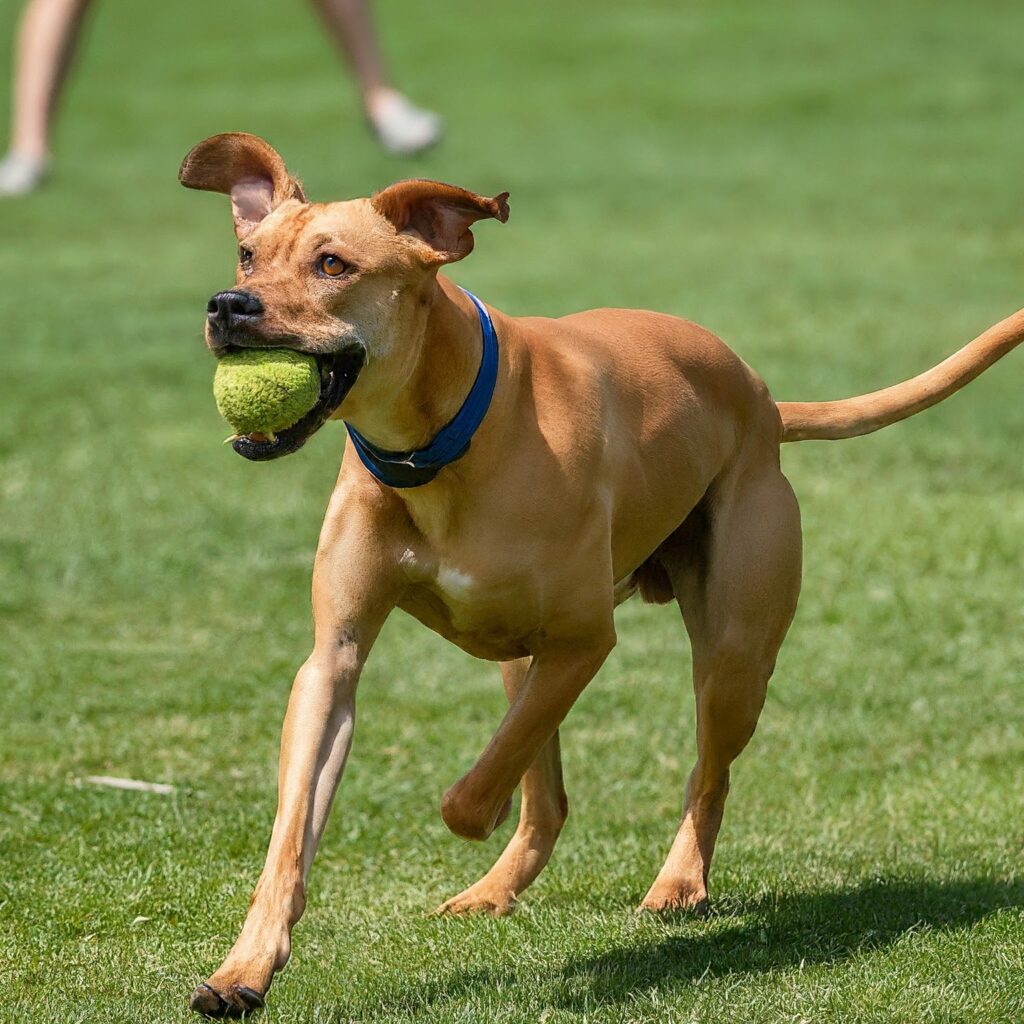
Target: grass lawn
833,188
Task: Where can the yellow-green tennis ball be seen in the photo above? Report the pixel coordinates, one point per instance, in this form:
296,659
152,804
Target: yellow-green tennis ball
264,390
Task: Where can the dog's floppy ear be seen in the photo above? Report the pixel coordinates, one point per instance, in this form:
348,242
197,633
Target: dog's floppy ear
246,168
440,215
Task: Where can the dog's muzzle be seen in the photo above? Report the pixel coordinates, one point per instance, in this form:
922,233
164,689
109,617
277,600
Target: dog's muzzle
338,372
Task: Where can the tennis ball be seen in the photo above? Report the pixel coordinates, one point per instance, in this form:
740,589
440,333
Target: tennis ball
263,390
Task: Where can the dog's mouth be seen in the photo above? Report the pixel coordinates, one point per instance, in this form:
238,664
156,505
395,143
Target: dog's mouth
338,372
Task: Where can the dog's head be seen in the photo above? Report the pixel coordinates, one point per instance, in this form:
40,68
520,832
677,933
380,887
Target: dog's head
348,282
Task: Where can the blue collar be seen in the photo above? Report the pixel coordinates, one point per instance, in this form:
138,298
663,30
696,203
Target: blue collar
420,466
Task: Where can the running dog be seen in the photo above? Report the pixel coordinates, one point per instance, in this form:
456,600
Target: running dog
508,481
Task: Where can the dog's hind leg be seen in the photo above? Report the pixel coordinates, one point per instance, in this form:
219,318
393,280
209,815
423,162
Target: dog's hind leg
737,588
541,815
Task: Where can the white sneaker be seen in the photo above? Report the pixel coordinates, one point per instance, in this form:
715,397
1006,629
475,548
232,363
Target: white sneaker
20,174
401,127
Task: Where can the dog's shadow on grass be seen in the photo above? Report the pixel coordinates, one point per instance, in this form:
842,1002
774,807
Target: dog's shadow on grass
769,934
780,932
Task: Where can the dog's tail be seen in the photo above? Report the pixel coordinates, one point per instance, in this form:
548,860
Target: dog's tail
850,417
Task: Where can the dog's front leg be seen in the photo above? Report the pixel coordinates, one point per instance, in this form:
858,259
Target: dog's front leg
351,599
479,801
314,745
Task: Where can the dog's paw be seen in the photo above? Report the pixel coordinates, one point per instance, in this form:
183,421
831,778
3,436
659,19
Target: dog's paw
234,1001
675,901
469,819
480,899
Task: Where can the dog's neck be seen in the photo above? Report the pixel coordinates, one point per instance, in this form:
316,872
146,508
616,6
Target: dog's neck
401,415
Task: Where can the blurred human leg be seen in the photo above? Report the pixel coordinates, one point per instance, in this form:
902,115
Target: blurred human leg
46,42
400,126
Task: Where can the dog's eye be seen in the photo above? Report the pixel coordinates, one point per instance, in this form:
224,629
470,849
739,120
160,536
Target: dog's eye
331,266
244,255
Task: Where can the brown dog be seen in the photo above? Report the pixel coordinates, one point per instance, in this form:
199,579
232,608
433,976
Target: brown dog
620,451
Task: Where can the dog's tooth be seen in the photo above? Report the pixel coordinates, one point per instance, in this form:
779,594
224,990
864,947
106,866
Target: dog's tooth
233,437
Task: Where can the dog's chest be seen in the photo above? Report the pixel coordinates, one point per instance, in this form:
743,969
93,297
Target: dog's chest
459,588
481,609
454,585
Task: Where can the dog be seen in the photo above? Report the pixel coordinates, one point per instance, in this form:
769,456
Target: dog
508,482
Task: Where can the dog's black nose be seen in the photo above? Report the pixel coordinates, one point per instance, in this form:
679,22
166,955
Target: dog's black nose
230,309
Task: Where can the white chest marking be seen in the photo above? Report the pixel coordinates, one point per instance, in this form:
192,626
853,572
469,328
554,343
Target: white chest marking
454,584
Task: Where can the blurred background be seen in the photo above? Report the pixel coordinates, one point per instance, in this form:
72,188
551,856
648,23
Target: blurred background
835,189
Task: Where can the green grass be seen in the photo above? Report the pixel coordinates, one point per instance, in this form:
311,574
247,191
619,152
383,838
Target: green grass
835,189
